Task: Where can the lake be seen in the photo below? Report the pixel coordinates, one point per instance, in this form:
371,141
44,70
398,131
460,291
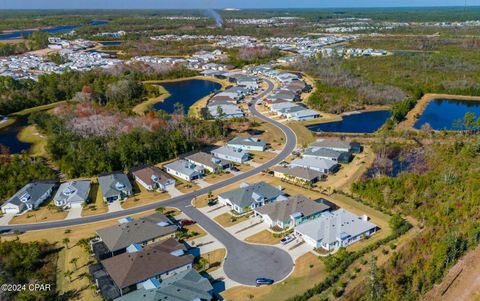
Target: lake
447,114
52,30
111,43
186,92
8,137
363,122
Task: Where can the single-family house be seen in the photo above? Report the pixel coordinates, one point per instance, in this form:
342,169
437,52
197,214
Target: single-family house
298,174
299,113
184,170
143,231
143,267
188,285
248,143
338,145
72,194
327,153
209,162
217,110
335,229
250,196
322,165
153,178
291,212
233,154
114,186
29,197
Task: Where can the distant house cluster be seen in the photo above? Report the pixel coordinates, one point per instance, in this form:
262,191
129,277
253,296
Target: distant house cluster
140,260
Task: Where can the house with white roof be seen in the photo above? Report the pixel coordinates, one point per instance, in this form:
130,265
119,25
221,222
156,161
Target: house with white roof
248,143
333,230
72,194
233,154
185,170
319,164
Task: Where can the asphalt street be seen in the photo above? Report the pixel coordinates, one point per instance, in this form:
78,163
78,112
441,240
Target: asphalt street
244,262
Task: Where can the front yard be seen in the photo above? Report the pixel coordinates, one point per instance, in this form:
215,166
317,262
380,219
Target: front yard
46,212
97,205
227,219
264,237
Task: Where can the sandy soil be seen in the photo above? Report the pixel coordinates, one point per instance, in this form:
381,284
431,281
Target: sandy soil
462,281
413,115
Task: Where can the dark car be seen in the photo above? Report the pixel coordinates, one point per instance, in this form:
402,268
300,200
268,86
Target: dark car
263,281
186,222
233,168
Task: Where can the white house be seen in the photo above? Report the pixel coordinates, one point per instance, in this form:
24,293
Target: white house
335,229
72,194
237,155
322,165
248,143
184,170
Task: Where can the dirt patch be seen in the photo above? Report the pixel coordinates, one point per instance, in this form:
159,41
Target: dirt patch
462,281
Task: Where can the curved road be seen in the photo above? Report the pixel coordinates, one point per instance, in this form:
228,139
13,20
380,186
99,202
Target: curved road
244,262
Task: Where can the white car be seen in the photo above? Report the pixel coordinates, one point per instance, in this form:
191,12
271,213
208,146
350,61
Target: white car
287,239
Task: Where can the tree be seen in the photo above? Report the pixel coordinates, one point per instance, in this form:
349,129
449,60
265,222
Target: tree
469,120
66,241
376,287
160,209
74,262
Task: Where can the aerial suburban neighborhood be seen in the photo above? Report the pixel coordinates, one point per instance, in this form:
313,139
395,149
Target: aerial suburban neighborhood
225,151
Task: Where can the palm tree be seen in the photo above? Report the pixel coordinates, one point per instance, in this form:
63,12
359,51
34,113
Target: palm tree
68,274
74,262
66,241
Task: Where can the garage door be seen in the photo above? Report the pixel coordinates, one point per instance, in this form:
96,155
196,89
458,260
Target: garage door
10,210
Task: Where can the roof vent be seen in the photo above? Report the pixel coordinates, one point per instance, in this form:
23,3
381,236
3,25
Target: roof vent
120,186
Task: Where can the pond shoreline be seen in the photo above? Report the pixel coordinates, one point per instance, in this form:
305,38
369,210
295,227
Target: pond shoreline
415,113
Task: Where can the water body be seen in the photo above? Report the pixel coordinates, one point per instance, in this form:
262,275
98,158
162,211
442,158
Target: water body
8,137
111,43
447,114
53,30
364,122
186,92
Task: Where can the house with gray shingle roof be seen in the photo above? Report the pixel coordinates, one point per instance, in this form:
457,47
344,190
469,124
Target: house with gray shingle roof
184,169
291,212
327,153
72,194
30,197
250,196
114,186
335,229
141,231
233,154
185,286
208,161
248,143
297,174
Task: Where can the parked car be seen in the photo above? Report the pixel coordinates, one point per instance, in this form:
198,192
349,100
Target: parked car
233,168
263,281
186,222
287,239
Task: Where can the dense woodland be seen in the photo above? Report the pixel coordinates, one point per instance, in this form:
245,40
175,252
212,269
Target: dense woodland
118,87
18,170
81,149
444,199
28,263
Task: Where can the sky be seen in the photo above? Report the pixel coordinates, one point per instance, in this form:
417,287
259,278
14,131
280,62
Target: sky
203,4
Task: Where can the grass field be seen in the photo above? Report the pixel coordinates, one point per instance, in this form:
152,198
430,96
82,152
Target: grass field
263,237
30,134
97,205
304,135
143,106
227,220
